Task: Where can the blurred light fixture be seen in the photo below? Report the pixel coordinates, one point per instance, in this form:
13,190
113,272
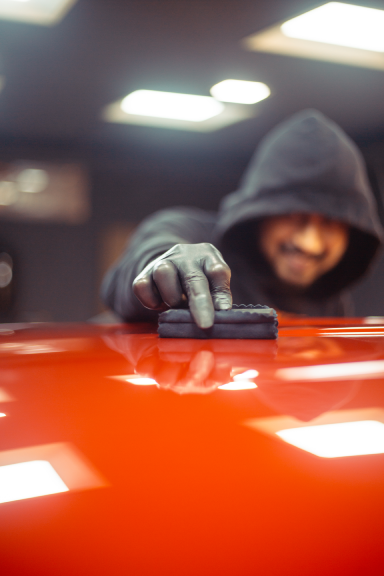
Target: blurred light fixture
240,91
334,32
32,180
5,273
337,440
2,414
44,191
238,385
174,110
45,12
340,24
9,193
171,105
29,480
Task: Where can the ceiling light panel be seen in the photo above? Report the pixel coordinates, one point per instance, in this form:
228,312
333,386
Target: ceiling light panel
171,105
240,91
334,32
175,111
44,12
340,24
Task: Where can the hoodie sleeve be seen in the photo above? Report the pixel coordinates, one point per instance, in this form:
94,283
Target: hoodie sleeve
156,234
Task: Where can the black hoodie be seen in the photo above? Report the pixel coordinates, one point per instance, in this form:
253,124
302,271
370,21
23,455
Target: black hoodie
306,164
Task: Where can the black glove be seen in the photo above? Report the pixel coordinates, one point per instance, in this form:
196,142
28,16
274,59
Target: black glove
193,271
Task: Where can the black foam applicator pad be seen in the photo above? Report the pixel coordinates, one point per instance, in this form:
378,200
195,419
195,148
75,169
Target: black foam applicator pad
259,322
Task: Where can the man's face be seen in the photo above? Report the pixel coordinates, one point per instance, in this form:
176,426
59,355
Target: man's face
302,247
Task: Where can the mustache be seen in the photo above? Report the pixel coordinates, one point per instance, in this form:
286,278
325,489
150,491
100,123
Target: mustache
289,248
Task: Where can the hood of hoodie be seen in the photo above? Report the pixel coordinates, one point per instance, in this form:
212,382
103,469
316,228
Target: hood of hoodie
307,164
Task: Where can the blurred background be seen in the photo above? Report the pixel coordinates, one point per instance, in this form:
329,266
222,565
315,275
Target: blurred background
81,164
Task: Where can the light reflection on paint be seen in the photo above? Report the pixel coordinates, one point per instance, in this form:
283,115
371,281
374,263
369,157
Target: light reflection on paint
247,375
142,381
2,414
18,348
337,440
29,480
352,334
239,385
370,369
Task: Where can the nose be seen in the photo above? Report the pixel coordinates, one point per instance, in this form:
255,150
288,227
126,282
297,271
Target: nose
309,238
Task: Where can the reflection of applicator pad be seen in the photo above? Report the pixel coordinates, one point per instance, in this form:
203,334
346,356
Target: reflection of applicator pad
241,322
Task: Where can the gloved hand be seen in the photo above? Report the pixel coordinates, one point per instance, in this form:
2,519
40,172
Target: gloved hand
193,271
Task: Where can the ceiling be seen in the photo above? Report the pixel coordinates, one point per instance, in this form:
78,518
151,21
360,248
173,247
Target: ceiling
58,79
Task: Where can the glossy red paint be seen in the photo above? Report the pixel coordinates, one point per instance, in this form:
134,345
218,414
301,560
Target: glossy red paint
183,486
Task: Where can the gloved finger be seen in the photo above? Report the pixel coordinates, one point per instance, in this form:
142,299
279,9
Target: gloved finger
219,276
196,287
167,281
144,288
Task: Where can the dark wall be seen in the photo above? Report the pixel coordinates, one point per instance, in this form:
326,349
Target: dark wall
58,263
55,270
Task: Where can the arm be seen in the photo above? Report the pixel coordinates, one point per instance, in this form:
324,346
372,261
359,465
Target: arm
167,232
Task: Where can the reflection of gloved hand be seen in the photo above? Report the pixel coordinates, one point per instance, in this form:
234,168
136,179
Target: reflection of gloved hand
196,270
199,378
194,373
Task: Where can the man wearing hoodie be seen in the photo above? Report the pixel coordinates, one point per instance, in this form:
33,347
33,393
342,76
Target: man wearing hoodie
301,228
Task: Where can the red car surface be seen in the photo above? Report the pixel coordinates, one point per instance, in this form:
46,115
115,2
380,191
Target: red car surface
122,453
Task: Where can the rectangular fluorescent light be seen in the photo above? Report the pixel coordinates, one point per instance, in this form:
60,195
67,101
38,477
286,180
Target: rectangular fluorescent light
46,469
29,480
174,110
338,440
171,105
44,12
340,24
334,32
240,91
